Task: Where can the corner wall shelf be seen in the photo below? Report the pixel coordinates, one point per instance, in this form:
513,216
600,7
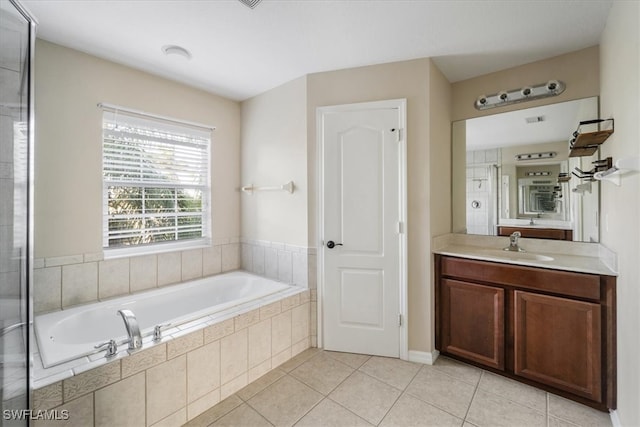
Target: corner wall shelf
586,144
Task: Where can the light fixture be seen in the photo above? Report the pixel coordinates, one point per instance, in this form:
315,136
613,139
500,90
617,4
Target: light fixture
171,49
541,173
537,156
527,93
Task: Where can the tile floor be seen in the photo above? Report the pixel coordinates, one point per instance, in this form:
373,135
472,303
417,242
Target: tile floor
323,388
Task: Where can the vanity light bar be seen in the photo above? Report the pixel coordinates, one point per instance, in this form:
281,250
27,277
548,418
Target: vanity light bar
545,173
536,156
527,93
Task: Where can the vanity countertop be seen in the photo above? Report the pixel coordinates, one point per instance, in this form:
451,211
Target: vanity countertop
578,257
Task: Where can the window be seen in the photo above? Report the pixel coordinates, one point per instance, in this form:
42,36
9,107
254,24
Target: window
156,185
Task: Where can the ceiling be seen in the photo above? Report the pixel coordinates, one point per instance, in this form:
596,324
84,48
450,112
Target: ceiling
238,52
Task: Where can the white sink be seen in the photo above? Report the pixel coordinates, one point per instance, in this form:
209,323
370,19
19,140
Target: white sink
517,256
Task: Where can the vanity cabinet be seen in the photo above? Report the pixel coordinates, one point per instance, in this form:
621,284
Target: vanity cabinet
548,328
538,233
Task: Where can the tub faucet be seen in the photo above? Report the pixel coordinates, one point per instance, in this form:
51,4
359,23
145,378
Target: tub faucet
513,242
133,330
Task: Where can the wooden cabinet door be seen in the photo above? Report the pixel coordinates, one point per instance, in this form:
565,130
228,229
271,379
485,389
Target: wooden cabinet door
557,341
472,322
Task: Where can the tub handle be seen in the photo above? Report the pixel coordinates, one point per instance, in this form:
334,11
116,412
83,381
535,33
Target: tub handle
112,347
157,331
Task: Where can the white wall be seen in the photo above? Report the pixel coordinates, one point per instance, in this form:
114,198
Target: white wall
620,98
68,160
274,151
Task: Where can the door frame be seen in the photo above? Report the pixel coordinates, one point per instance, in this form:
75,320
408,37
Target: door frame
401,105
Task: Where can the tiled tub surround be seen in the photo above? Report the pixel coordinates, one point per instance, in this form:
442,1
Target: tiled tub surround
62,282
291,264
188,372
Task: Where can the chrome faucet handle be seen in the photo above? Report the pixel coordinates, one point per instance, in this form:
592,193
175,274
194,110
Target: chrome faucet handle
157,331
112,347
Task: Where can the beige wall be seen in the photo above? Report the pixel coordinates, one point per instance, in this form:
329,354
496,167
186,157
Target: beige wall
620,98
68,168
412,80
274,151
578,70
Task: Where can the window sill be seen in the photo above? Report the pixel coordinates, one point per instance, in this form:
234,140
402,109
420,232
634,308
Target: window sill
154,249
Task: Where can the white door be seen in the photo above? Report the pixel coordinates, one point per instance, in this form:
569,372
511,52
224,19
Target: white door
362,208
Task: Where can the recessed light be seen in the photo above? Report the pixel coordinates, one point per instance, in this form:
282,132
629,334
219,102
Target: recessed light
171,49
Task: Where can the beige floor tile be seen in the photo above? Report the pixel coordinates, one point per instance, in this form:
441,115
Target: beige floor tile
329,414
490,410
557,422
458,370
260,384
322,373
513,390
243,415
395,372
299,359
441,390
284,402
351,359
409,411
365,396
213,414
576,413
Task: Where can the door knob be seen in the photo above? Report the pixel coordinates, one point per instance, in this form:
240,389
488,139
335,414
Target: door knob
331,244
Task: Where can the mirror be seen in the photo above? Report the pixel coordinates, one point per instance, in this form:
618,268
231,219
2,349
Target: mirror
506,168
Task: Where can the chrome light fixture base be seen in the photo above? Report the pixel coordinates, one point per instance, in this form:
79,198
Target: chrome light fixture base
527,93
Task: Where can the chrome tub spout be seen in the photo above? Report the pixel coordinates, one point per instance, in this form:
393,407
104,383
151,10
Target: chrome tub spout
133,330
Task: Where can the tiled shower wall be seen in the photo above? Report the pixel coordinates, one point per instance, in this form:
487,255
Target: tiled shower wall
177,380
62,282
291,264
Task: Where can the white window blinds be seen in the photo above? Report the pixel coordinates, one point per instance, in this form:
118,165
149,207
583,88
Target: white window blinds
156,185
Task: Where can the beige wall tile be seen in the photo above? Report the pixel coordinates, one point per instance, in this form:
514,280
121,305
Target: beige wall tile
300,322
233,356
290,302
230,257
270,310
218,330
203,371
259,343
281,332
47,397
143,272
202,404
177,419
211,260
259,370
169,268
47,288
92,380
143,360
300,346
166,389
192,264
79,283
122,403
281,357
80,413
184,344
113,277
63,260
233,386
247,319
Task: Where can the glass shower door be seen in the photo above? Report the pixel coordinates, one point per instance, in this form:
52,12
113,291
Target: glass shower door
16,34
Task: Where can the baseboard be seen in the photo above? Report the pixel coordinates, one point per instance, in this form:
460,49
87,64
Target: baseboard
423,356
614,418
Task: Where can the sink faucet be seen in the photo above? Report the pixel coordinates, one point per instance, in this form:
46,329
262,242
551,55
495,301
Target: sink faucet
513,242
133,330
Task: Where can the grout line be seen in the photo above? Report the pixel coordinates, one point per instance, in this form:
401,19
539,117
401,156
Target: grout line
475,391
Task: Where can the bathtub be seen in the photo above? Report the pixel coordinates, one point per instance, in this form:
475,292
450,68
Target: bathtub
73,333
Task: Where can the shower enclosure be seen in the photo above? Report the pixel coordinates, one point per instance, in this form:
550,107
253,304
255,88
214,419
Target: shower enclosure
17,32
